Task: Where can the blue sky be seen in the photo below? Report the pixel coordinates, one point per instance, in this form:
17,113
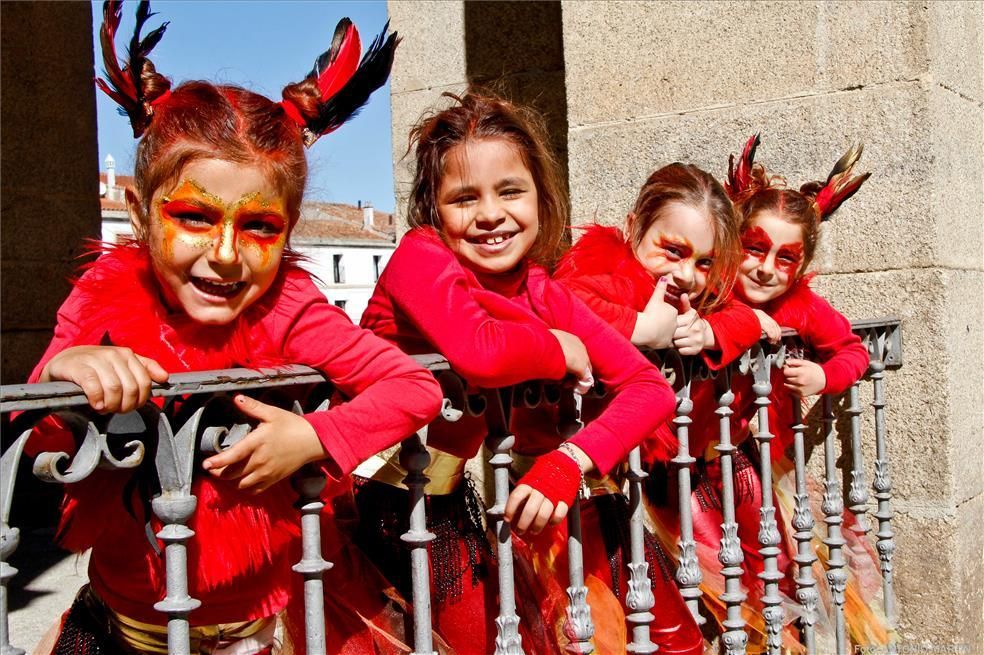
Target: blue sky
264,46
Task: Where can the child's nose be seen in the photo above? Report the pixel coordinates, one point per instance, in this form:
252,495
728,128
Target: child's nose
490,214
684,277
226,248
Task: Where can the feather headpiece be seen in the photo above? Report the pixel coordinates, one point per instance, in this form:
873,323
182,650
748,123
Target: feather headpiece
839,185
740,178
344,82
124,83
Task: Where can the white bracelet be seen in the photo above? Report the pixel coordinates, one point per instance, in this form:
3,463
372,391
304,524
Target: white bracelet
568,449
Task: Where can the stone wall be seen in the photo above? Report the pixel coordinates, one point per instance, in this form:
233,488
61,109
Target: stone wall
645,84
49,169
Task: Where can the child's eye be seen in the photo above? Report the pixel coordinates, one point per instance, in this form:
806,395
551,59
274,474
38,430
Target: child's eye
788,259
673,251
193,219
705,264
463,200
263,228
753,250
512,193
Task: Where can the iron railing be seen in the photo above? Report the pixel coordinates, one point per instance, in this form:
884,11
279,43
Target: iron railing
118,442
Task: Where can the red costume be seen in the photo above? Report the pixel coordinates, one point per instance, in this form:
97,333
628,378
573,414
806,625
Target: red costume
494,329
239,536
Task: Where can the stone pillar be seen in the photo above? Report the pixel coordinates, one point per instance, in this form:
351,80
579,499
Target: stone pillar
50,173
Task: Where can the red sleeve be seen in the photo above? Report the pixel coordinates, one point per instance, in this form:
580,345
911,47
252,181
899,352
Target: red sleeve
599,294
429,286
844,358
641,398
736,329
391,395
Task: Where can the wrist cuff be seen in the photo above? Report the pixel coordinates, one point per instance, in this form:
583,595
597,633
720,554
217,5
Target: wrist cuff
555,475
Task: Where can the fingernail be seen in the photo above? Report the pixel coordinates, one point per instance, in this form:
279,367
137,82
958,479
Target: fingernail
241,399
98,406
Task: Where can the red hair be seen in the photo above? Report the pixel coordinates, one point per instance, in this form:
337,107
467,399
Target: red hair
477,116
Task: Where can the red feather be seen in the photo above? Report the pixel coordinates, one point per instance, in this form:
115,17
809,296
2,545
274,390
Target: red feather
840,185
336,67
740,177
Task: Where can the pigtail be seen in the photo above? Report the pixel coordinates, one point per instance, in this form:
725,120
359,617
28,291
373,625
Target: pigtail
136,86
339,85
830,195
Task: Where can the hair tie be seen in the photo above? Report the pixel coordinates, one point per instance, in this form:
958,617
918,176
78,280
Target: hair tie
293,112
161,99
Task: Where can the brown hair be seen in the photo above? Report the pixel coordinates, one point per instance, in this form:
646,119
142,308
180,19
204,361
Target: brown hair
200,120
476,116
688,185
769,193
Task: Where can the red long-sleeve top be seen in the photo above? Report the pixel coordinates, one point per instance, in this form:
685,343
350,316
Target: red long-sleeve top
238,562
495,331
604,272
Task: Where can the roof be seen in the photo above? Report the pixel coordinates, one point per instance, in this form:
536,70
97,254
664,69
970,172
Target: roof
328,222
117,203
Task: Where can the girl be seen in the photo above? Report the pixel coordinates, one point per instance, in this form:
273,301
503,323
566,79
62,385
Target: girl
779,234
210,283
488,212
677,253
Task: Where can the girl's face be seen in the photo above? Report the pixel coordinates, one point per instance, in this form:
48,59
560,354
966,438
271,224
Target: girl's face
488,206
773,257
679,244
216,238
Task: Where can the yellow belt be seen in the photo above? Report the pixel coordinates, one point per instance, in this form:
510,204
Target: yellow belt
445,471
150,638
597,486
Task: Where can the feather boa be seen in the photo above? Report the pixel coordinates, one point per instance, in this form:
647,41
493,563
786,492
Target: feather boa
237,534
603,250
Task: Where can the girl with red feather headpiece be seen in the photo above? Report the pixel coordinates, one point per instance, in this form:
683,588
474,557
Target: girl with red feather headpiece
210,282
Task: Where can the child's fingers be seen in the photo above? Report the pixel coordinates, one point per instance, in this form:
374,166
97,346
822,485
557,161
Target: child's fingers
219,463
154,370
530,511
660,293
516,500
559,513
543,516
255,409
142,379
685,303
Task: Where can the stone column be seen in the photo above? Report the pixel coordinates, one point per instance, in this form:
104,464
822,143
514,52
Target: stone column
50,173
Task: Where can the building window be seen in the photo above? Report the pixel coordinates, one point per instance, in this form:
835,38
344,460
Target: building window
338,271
340,304
376,261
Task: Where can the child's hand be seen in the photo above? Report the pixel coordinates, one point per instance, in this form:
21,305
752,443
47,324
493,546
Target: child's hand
690,335
575,354
282,443
773,331
543,496
114,379
804,377
656,323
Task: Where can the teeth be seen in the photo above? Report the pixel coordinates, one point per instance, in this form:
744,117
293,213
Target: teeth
491,241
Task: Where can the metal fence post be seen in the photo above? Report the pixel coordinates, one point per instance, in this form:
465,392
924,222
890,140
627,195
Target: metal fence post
639,598
415,458
833,508
806,592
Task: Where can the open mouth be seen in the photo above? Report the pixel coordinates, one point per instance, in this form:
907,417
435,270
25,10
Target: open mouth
492,240
216,288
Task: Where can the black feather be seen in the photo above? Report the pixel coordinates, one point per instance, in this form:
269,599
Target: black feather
325,59
372,73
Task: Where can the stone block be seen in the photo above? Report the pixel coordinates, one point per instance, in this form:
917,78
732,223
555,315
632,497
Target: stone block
681,56
432,53
33,292
22,350
957,174
883,227
955,47
504,38
928,582
49,225
969,555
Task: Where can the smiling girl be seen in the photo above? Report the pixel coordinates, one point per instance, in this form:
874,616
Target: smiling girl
487,212
210,283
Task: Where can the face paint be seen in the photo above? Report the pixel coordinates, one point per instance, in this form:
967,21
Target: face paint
773,257
679,244
217,239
